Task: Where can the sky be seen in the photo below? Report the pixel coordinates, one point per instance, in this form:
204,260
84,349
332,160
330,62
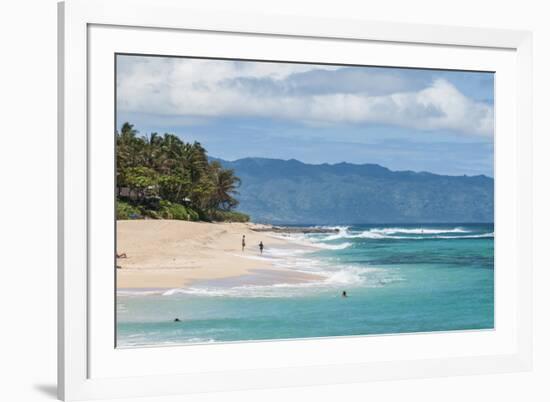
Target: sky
404,119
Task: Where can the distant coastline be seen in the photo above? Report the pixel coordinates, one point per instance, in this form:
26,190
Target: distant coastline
290,192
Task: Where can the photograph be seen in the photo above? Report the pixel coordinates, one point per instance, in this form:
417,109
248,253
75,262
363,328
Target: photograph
275,201
271,200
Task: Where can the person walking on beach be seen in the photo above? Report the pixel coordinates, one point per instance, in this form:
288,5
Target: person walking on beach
243,243
261,245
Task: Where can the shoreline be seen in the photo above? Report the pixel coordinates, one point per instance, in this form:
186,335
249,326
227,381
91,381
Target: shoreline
171,254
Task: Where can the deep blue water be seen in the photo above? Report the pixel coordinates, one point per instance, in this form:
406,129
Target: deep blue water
399,278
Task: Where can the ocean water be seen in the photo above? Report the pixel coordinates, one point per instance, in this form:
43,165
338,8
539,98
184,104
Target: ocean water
399,279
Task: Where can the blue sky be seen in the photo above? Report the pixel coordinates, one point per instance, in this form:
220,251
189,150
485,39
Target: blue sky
404,119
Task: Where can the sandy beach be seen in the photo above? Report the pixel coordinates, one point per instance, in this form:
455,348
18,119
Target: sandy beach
166,254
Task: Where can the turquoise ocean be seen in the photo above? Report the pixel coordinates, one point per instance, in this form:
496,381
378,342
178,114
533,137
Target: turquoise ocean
400,278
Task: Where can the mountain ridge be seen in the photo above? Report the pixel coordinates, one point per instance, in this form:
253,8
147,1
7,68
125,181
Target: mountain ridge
343,163
293,192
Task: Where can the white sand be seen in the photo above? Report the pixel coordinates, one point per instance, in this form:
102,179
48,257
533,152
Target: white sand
172,254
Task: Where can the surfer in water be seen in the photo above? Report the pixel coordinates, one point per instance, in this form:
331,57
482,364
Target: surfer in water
344,294
261,245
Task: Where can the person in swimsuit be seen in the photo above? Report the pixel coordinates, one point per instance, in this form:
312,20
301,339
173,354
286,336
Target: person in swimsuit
261,245
243,243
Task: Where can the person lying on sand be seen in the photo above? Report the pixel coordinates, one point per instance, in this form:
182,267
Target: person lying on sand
123,255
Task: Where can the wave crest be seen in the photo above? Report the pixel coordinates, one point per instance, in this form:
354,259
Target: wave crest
402,234
418,230
334,278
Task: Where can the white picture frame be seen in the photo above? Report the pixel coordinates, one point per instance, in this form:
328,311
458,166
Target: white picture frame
91,32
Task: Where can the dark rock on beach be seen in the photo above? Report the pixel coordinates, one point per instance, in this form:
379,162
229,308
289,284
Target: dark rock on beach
295,229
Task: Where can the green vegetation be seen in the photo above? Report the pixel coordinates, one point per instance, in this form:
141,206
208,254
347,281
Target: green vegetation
126,211
231,216
163,177
169,210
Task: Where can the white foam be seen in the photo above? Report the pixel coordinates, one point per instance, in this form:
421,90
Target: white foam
349,276
343,233
476,236
333,277
417,230
370,235
248,291
340,246
135,292
315,242
398,233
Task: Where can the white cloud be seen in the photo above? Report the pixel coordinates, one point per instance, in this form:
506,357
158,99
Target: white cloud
211,88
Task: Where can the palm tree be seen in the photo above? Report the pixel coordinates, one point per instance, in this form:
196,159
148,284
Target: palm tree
176,170
226,184
152,151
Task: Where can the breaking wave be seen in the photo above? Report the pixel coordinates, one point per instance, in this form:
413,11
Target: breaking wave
329,271
397,233
418,230
332,280
328,274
